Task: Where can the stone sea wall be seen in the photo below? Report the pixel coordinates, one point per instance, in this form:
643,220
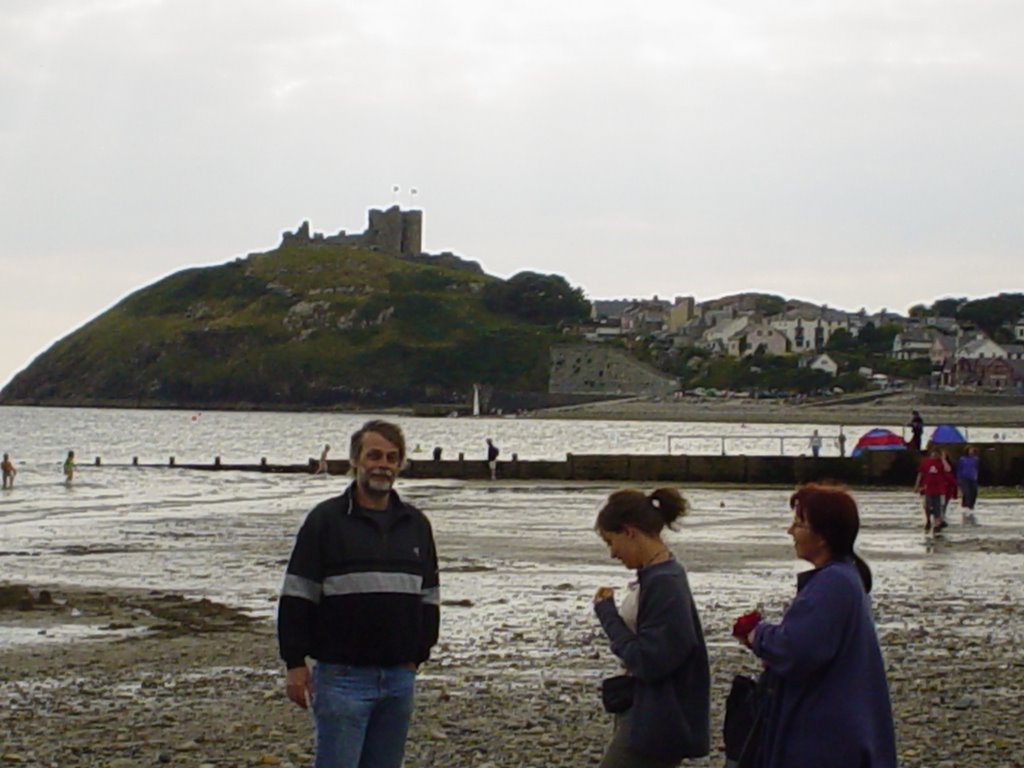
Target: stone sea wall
1002,465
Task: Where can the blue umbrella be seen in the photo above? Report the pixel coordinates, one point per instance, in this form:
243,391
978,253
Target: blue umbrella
946,433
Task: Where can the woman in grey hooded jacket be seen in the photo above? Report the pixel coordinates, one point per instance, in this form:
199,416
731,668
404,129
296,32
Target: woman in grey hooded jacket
656,633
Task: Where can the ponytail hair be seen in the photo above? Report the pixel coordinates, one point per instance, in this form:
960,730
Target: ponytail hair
831,512
649,513
864,571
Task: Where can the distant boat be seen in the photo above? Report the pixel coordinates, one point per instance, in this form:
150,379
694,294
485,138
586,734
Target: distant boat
476,399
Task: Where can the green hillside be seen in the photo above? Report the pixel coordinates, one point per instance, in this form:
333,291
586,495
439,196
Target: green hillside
304,325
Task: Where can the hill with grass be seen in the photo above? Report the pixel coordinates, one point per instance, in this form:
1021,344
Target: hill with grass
310,325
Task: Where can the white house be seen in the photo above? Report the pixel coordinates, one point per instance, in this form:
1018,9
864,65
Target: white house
823,362
645,316
758,338
979,347
809,329
724,330
944,324
913,343
602,332
712,317
609,309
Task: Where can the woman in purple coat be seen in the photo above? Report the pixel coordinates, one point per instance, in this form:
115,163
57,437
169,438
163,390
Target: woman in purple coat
830,705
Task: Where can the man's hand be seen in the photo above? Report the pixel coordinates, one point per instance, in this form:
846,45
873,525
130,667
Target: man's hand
298,686
603,593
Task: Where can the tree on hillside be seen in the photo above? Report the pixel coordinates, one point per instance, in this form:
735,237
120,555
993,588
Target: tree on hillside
993,313
538,298
947,307
769,304
841,340
903,369
878,340
851,382
688,364
919,310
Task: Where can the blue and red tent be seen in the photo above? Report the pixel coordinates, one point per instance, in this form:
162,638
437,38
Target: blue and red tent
879,440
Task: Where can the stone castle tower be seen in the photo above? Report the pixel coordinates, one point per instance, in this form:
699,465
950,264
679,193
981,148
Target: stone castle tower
394,232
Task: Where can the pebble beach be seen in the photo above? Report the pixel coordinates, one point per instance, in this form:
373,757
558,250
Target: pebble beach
103,676
137,606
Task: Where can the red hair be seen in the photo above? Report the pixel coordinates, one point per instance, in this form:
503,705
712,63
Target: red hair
831,512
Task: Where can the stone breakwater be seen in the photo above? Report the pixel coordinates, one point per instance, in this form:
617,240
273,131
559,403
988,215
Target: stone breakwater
193,683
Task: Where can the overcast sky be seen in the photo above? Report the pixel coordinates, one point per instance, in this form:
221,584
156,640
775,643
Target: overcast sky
859,153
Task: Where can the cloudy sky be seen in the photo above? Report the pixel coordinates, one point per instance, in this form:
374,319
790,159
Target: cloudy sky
859,153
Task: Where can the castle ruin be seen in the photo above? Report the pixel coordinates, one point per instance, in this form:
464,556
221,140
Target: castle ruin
394,232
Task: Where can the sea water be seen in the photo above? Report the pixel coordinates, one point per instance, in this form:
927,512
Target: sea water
518,553
39,437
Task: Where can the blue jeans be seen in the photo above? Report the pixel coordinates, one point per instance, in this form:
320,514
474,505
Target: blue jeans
361,715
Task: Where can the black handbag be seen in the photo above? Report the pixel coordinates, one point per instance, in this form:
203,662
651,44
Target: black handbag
617,693
744,719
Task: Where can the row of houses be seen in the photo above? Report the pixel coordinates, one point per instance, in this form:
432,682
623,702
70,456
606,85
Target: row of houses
735,325
740,326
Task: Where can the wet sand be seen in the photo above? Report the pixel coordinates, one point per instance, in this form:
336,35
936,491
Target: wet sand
158,678
889,410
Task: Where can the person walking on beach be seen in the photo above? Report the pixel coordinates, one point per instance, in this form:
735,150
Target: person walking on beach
492,458
952,489
815,443
663,714
69,468
916,425
841,442
321,467
7,466
967,479
932,484
361,599
829,704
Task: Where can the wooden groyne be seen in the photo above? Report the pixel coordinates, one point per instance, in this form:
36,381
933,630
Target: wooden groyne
1002,464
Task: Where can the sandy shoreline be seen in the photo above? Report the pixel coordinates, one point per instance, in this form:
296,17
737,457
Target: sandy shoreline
894,410
198,684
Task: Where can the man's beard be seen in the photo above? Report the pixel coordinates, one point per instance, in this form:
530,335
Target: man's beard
377,483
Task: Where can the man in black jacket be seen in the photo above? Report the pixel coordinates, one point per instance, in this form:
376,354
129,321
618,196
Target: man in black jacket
361,598
916,425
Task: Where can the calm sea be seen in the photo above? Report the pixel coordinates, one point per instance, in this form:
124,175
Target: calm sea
39,438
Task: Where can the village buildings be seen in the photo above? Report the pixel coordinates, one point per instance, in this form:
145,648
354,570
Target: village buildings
752,324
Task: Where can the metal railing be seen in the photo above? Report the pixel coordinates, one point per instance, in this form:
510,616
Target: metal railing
804,440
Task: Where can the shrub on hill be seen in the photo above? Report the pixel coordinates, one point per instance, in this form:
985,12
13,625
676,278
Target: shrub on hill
537,298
